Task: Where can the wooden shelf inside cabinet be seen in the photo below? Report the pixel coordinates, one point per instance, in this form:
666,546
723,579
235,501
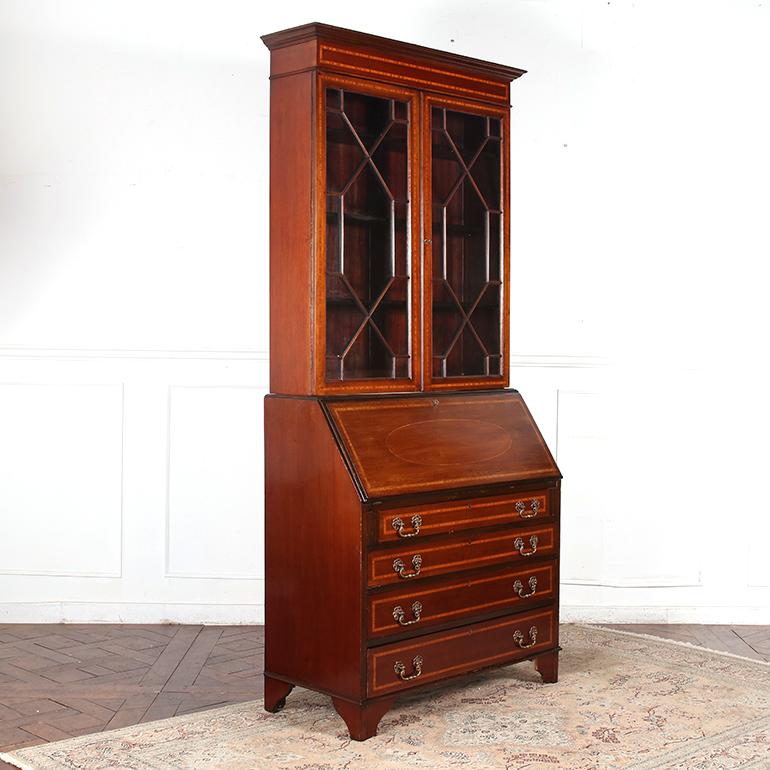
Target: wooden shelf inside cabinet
411,503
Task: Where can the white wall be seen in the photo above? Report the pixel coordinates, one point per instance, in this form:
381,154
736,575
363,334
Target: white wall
133,296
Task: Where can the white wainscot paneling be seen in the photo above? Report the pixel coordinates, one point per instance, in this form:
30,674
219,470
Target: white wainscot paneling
215,482
628,520
582,452
60,479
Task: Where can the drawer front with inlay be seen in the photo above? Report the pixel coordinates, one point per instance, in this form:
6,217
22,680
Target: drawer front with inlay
393,565
444,518
397,666
408,608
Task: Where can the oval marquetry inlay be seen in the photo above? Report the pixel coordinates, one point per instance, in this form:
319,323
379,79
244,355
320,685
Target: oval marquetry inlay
447,442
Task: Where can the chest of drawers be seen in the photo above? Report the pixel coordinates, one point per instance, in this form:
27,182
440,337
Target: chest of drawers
411,539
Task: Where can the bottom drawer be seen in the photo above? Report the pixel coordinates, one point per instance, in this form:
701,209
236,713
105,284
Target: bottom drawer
432,657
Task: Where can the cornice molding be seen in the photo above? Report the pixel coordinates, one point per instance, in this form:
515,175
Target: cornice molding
330,34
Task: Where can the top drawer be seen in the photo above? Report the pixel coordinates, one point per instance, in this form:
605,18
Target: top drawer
444,518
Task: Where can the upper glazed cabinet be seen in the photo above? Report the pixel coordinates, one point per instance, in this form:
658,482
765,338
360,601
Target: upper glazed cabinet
389,215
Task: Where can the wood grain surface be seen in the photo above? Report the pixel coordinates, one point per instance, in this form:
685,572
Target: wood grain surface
59,681
452,516
460,552
422,443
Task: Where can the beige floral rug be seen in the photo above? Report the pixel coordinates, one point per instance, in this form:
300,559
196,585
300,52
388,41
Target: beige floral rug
623,702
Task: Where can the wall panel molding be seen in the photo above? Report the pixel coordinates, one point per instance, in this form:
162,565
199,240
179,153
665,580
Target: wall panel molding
255,513
230,613
756,614
676,581
248,613
557,361
185,588
138,353
529,360
75,587
60,473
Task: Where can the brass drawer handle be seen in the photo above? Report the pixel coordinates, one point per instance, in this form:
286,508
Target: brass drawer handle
534,506
399,614
400,668
519,588
518,544
399,566
518,637
398,525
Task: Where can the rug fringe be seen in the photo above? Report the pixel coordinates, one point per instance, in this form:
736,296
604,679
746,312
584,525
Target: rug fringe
677,642
11,760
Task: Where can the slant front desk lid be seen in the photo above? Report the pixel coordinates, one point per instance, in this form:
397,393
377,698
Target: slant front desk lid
413,444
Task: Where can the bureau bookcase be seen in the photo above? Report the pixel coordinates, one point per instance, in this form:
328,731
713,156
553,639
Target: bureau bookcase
411,504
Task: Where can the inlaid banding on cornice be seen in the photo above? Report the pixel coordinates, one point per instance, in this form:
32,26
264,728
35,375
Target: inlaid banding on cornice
410,73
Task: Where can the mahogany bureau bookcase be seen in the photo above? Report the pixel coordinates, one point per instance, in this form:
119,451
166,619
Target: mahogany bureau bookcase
412,506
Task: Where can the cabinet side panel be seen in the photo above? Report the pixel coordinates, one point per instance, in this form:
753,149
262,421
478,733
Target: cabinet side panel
313,558
556,507
291,255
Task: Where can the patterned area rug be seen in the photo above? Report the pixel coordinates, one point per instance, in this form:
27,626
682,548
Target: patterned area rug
623,702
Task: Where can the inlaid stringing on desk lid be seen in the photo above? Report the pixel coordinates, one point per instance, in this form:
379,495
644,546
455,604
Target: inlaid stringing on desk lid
426,443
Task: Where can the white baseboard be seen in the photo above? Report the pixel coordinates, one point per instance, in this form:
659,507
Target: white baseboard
238,614
103,612
730,615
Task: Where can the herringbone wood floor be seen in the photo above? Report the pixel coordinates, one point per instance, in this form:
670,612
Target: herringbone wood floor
57,681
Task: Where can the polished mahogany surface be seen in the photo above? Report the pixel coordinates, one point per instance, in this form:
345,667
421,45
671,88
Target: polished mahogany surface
389,215
291,202
423,443
415,562
346,51
344,608
448,653
409,536
313,536
417,606
421,521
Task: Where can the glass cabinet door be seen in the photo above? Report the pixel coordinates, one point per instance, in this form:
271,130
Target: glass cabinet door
465,256
368,271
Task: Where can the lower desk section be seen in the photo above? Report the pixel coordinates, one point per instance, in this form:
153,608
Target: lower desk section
397,666
476,544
